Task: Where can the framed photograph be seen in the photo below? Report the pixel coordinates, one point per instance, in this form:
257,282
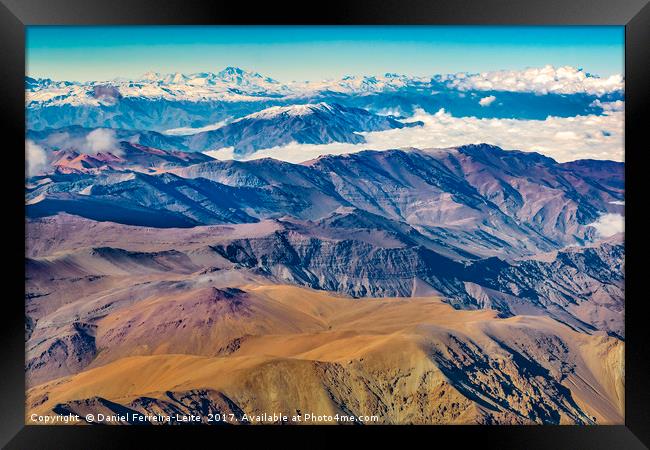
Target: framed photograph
397,217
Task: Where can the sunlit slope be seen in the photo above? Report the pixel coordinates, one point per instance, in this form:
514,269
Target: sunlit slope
265,348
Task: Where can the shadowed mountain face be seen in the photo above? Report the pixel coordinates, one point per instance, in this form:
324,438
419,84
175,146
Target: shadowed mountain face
563,287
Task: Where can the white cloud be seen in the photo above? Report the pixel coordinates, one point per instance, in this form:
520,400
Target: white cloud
183,131
222,154
561,80
36,158
592,136
618,105
102,140
487,101
617,202
61,141
566,135
609,224
96,141
398,112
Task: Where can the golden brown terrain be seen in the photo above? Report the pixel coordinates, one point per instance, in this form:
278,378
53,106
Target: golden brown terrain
268,348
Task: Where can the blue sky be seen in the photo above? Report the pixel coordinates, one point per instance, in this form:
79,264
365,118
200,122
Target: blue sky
314,53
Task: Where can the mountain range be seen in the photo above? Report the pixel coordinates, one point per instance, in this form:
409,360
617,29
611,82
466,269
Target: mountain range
319,123
149,306
165,258
476,226
473,200
244,353
172,270
160,102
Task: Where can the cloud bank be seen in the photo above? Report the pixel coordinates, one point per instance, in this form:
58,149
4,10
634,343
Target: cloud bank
561,138
541,80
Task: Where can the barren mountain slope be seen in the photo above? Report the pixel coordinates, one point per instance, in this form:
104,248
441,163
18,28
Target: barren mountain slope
284,349
85,271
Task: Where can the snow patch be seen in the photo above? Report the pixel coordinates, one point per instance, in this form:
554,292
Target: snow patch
292,110
184,131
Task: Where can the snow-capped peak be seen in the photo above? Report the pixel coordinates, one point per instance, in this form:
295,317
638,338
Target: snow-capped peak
239,76
292,111
236,84
234,73
229,79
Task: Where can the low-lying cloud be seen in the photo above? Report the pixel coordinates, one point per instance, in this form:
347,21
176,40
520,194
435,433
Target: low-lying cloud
609,224
184,131
100,140
561,138
35,157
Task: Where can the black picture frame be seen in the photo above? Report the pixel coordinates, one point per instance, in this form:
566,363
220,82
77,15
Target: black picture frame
16,14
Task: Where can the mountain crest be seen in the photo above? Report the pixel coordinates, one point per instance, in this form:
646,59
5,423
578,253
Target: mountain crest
296,110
